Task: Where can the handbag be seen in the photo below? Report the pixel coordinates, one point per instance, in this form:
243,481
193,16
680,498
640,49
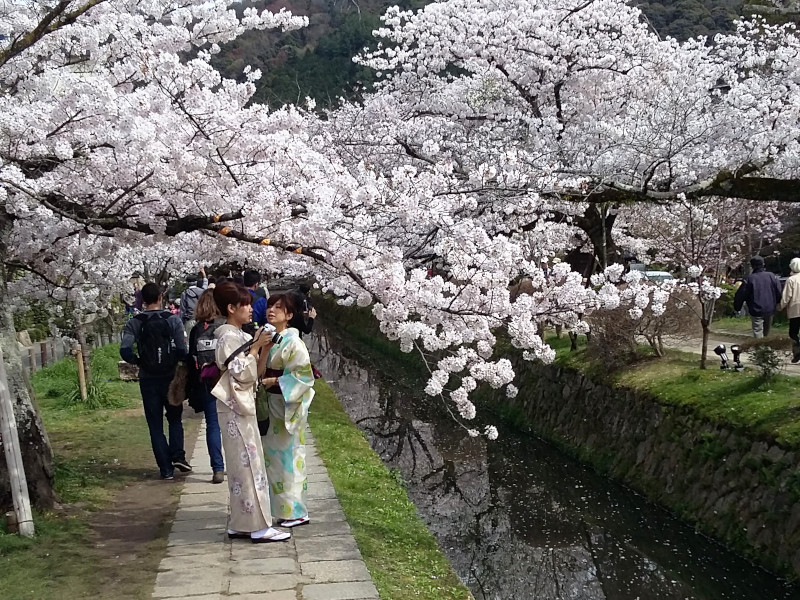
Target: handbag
275,389
210,373
176,393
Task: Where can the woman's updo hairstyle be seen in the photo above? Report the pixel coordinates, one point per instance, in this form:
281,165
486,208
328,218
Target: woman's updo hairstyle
230,293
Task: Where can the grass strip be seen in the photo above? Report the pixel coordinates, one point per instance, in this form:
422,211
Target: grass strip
97,453
402,556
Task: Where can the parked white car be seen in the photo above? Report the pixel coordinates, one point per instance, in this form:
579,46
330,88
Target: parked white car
658,275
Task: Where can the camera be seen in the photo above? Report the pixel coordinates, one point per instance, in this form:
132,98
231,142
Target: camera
270,330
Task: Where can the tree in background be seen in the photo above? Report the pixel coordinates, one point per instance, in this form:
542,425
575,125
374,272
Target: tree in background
116,131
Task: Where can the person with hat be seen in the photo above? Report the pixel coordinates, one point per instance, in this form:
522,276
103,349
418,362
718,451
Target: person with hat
761,290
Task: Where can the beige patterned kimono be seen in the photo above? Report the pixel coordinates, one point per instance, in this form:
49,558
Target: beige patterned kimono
244,456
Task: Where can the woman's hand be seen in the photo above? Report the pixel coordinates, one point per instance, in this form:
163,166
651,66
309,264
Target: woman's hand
262,339
269,381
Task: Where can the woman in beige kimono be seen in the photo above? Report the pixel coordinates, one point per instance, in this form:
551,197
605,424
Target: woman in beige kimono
250,514
290,382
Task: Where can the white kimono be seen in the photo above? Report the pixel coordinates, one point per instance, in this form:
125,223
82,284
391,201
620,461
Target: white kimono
244,456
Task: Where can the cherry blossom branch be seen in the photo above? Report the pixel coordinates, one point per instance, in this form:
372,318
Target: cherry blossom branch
53,20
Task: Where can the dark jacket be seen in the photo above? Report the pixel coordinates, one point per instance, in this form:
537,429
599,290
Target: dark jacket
130,336
762,293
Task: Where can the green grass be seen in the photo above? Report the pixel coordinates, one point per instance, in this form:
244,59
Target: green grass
742,400
55,564
401,554
96,453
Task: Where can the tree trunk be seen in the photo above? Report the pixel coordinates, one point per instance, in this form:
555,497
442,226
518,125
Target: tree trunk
704,347
598,224
37,456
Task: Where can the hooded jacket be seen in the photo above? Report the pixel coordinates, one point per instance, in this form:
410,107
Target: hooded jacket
761,290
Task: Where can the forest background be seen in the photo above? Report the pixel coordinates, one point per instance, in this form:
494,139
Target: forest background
316,61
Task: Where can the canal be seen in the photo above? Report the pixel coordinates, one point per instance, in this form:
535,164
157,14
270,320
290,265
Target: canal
518,519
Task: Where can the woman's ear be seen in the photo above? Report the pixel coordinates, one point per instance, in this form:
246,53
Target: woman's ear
231,309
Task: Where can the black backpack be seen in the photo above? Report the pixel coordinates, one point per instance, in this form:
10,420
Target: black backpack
156,346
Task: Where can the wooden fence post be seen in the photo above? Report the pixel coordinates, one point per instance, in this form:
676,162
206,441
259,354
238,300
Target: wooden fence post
81,372
16,470
43,352
53,351
32,355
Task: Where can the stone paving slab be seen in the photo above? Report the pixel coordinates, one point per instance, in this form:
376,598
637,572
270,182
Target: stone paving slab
356,590
321,528
321,490
320,562
251,584
218,524
188,582
315,477
334,547
336,571
281,595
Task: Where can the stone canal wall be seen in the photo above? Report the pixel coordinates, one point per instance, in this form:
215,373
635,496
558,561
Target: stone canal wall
735,486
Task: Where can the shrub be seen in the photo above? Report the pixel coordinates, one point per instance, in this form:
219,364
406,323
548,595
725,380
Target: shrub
767,361
615,335
97,395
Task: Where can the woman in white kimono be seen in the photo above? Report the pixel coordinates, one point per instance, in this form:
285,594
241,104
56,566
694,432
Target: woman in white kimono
290,382
250,514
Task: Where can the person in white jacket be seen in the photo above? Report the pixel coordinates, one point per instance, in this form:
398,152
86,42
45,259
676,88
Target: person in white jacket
790,300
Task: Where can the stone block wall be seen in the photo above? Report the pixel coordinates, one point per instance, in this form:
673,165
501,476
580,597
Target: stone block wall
739,488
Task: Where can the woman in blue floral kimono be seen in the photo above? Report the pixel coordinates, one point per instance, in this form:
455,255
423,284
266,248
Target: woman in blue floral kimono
290,383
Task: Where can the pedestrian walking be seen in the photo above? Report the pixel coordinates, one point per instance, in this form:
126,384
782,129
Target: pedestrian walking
190,297
160,343
202,351
761,291
790,301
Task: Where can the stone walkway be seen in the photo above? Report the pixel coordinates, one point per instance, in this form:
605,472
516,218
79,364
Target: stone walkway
320,562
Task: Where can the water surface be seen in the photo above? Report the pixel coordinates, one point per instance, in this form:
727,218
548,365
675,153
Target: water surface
520,520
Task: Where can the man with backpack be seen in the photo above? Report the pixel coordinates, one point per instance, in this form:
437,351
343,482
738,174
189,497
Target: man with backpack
160,343
190,297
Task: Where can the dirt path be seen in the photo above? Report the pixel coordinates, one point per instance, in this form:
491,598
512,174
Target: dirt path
727,338
130,536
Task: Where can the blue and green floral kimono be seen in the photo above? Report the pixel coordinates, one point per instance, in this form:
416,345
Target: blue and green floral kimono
284,444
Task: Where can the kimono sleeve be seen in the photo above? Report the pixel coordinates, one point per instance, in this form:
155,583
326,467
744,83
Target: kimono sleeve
243,368
297,373
296,383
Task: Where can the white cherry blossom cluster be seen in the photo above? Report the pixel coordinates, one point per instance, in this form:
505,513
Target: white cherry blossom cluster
494,130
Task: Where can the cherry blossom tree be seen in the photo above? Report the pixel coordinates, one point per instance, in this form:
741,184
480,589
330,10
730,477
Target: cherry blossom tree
504,132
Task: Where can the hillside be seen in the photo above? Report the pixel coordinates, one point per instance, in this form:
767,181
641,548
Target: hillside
317,61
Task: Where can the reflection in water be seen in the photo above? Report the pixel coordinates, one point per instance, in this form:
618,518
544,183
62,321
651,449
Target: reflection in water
519,520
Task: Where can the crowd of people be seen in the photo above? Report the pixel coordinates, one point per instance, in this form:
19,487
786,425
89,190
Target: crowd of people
240,358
